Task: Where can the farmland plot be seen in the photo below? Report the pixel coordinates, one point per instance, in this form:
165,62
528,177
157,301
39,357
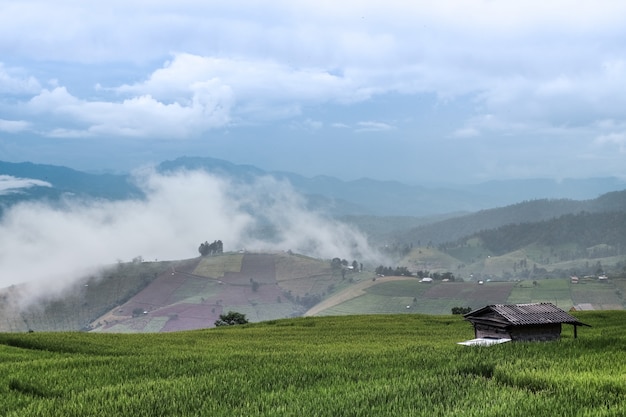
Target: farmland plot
602,295
185,301
217,266
475,295
408,295
555,291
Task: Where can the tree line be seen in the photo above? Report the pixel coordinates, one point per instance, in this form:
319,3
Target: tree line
404,271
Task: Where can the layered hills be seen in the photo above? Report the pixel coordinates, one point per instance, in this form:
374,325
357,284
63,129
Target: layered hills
191,294
362,197
527,251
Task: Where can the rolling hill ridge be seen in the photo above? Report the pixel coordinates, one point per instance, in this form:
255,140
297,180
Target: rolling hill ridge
191,294
339,198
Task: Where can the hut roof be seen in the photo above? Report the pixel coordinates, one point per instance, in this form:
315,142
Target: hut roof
523,314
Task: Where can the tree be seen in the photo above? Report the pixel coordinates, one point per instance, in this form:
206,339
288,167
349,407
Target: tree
207,248
231,319
461,310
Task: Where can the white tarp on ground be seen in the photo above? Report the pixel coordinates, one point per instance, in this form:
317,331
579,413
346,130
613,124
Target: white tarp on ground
484,341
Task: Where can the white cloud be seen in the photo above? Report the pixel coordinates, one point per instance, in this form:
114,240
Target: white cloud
251,80
489,123
10,184
192,94
466,132
132,30
14,81
308,125
140,116
13,126
373,126
616,139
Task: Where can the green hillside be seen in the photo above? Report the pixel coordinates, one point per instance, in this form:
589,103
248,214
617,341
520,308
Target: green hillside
263,286
151,297
80,304
523,214
375,365
180,295
572,244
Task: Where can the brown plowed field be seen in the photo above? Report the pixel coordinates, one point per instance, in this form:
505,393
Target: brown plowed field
258,267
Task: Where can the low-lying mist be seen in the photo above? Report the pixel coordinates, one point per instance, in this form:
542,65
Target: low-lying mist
51,246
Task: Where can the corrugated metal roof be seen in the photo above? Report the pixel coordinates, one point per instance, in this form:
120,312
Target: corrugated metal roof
525,314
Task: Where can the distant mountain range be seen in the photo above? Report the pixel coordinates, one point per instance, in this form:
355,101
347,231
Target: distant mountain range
63,181
340,198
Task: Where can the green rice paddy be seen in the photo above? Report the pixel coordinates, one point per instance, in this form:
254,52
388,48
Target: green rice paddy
370,365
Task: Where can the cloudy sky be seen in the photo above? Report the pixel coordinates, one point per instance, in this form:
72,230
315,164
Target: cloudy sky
452,90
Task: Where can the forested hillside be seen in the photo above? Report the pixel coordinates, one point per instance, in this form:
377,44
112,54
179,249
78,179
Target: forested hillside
587,235
526,212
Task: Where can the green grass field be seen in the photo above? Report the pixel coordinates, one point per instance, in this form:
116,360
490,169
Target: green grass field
216,266
440,297
83,302
376,365
555,291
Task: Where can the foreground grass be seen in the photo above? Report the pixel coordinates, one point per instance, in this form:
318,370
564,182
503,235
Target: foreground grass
387,365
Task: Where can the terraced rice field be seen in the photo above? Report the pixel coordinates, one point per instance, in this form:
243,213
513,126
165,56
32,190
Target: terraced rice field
354,366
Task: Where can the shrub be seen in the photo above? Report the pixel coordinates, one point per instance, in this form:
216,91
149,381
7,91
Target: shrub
231,319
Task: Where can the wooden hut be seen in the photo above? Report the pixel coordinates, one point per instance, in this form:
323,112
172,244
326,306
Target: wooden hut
525,322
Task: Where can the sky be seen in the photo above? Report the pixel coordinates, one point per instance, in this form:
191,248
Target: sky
453,91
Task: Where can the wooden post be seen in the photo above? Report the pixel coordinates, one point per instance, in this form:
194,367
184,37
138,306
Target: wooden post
575,332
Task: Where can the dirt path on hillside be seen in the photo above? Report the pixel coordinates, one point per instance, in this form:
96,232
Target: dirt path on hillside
349,293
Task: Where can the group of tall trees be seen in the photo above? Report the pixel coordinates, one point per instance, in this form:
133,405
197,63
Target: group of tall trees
337,263
461,310
214,248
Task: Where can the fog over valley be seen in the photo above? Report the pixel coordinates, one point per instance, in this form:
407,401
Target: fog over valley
50,245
